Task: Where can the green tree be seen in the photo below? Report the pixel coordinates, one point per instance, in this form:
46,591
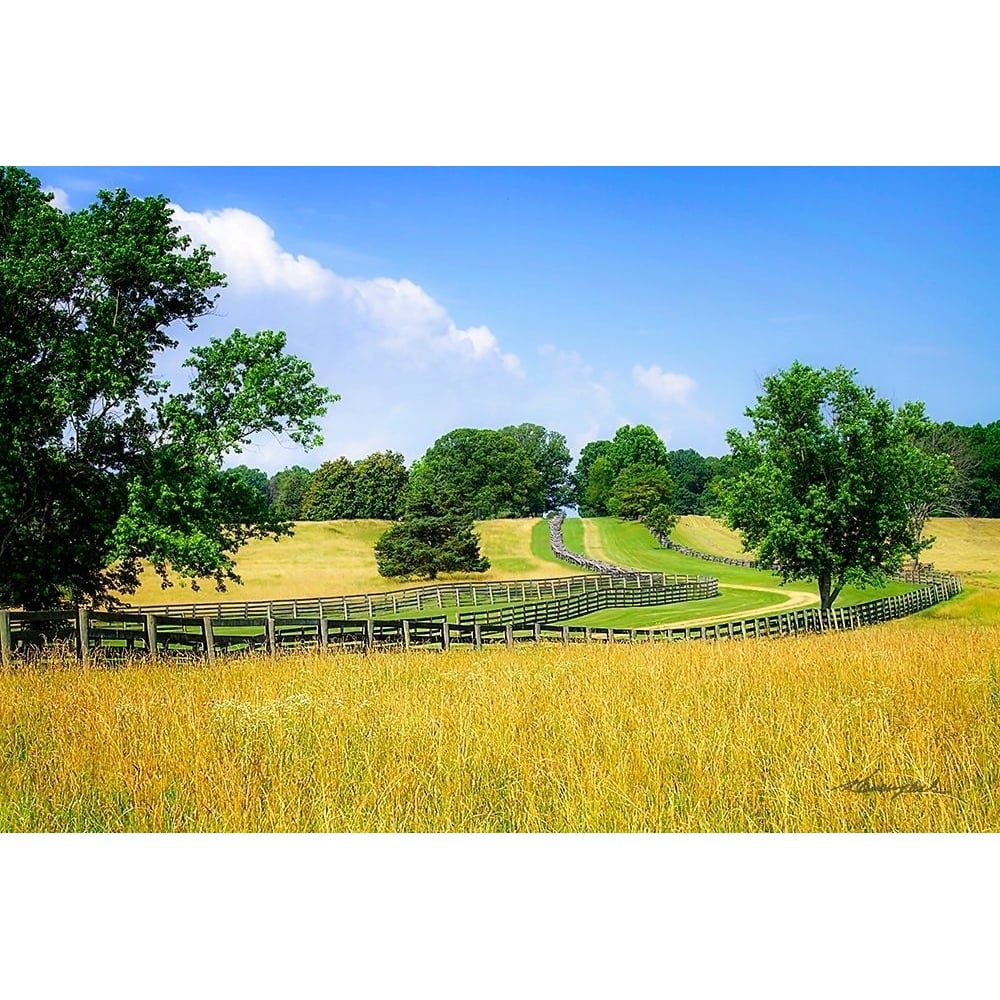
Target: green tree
602,462
255,479
660,521
639,445
380,483
484,472
638,489
430,540
580,478
287,490
332,494
691,474
548,453
102,468
821,486
596,496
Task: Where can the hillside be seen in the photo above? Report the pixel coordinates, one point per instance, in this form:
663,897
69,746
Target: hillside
324,558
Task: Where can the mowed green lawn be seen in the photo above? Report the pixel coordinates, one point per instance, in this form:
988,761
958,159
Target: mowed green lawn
744,592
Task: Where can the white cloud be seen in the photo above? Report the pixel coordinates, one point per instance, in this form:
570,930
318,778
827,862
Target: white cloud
60,199
246,250
401,316
665,386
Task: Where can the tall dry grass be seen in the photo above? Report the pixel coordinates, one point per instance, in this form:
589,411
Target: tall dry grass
728,736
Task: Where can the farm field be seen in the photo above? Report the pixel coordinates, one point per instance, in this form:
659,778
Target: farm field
892,728
744,591
326,558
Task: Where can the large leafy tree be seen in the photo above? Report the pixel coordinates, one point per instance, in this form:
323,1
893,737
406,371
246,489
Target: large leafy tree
638,445
691,473
103,467
380,482
822,486
434,536
485,472
549,454
287,490
601,464
332,492
638,489
581,478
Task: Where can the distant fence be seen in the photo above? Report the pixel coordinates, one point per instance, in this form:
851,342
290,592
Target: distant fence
679,588
707,556
392,602
921,573
559,550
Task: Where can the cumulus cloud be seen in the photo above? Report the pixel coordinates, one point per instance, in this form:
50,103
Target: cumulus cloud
60,199
667,387
402,317
246,250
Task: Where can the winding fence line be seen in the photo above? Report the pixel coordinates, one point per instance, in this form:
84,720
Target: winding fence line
440,596
519,611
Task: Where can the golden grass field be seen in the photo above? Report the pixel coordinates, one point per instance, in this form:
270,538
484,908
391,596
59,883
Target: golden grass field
731,736
894,728
326,558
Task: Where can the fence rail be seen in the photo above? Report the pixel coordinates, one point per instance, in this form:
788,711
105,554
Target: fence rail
440,596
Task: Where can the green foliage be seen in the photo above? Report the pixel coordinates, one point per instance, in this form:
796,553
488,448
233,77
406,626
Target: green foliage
485,473
639,445
332,492
549,455
581,477
424,545
380,484
101,468
602,462
638,489
822,485
660,520
691,474
255,479
597,489
980,461
287,490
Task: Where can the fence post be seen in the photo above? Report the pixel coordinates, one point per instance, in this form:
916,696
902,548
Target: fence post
269,635
151,636
369,633
5,642
324,632
82,635
508,634
477,635
406,633
206,628
445,636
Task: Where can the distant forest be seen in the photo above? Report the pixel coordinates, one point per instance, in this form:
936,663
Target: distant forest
528,471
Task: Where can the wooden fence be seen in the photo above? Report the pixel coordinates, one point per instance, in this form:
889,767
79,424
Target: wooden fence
108,635
680,588
394,602
534,611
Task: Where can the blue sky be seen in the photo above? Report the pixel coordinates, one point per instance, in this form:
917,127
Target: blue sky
582,299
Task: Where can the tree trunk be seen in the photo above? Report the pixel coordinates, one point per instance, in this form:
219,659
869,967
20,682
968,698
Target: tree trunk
825,591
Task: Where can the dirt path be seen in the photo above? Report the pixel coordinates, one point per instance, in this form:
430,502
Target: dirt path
792,599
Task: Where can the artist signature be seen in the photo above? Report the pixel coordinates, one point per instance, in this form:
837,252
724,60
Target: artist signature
868,785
